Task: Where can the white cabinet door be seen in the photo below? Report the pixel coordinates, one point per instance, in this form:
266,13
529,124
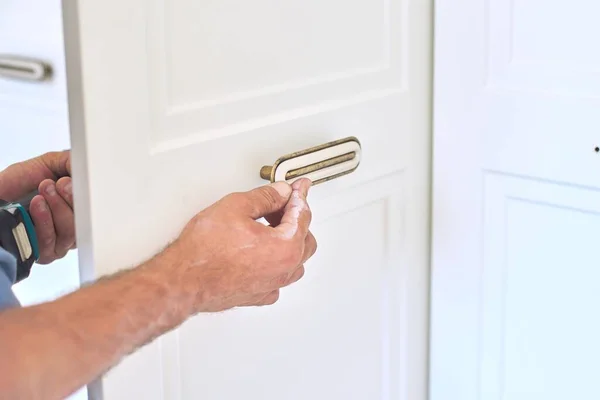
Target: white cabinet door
176,103
516,216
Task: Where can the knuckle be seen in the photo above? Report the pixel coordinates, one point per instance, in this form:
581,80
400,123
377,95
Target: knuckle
271,298
314,249
64,243
48,240
269,194
61,254
197,219
313,245
297,275
43,260
297,254
47,255
300,274
292,256
280,280
239,200
234,198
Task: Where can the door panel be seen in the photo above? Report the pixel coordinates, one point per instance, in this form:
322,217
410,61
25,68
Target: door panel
540,287
516,201
260,63
175,104
310,338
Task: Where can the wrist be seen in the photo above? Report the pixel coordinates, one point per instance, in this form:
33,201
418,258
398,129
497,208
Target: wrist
169,270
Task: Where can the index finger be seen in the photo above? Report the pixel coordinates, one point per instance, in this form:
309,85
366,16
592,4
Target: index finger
297,216
58,162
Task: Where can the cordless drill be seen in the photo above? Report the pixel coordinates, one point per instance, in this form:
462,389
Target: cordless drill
17,234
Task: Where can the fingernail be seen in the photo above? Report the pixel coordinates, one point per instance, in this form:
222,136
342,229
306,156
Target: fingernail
51,189
282,188
69,188
43,206
302,184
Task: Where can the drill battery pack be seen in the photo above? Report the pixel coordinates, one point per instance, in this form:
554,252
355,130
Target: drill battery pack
17,236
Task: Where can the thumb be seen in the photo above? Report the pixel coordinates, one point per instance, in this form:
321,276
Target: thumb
266,200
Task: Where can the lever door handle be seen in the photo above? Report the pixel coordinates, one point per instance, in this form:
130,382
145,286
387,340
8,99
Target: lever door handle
320,164
24,68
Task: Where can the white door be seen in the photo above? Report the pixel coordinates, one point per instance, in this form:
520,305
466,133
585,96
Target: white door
516,216
176,103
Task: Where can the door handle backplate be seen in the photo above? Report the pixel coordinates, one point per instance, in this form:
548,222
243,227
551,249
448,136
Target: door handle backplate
320,163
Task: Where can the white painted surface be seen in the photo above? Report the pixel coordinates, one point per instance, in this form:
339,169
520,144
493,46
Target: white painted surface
175,104
516,201
34,120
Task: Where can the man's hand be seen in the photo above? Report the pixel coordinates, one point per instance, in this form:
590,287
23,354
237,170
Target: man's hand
229,259
52,209
223,258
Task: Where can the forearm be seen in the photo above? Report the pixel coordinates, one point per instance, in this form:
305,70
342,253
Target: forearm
52,349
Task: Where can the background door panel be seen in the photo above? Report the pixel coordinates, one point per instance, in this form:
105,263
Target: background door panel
515,200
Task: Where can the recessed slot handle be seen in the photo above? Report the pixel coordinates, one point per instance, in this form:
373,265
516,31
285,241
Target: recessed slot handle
24,68
320,164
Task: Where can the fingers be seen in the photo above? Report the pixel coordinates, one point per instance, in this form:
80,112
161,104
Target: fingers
270,298
263,299
44,228
295,276
296,215
310,247
64,186
274,219
59,162
66,228
20,179
282,248
264,200
53,217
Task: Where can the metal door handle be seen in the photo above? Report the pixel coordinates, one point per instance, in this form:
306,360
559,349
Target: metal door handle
24,68
320,164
